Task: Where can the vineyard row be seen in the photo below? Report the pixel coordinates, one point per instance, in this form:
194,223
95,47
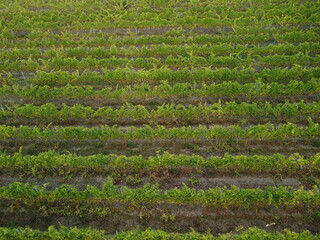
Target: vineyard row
156,75
163,90
66,39
147,17
241,163
65,233
266,131
150,63
216,197
161,50
50,111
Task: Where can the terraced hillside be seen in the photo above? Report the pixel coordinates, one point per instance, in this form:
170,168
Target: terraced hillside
159,119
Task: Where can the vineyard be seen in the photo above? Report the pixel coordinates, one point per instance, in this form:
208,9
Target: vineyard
159,119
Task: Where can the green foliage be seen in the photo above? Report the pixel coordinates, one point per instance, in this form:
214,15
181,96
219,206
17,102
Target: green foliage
65,233
254,59
156,64
217,197
256,163
166,112
93,15
266,131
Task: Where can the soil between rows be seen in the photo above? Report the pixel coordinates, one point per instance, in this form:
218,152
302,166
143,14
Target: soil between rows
122,216
150,101
149,147
164,181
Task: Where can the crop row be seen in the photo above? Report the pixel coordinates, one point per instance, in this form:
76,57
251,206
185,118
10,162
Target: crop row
149,63
241,163
65,233
28,22
262,13
104,39
163,90
156,75
51,112
170,32
222,197
220,7
266,131
161,50
164,17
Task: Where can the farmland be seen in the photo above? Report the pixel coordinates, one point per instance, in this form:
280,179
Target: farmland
159,119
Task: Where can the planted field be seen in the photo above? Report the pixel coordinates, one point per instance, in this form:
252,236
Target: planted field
159,119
